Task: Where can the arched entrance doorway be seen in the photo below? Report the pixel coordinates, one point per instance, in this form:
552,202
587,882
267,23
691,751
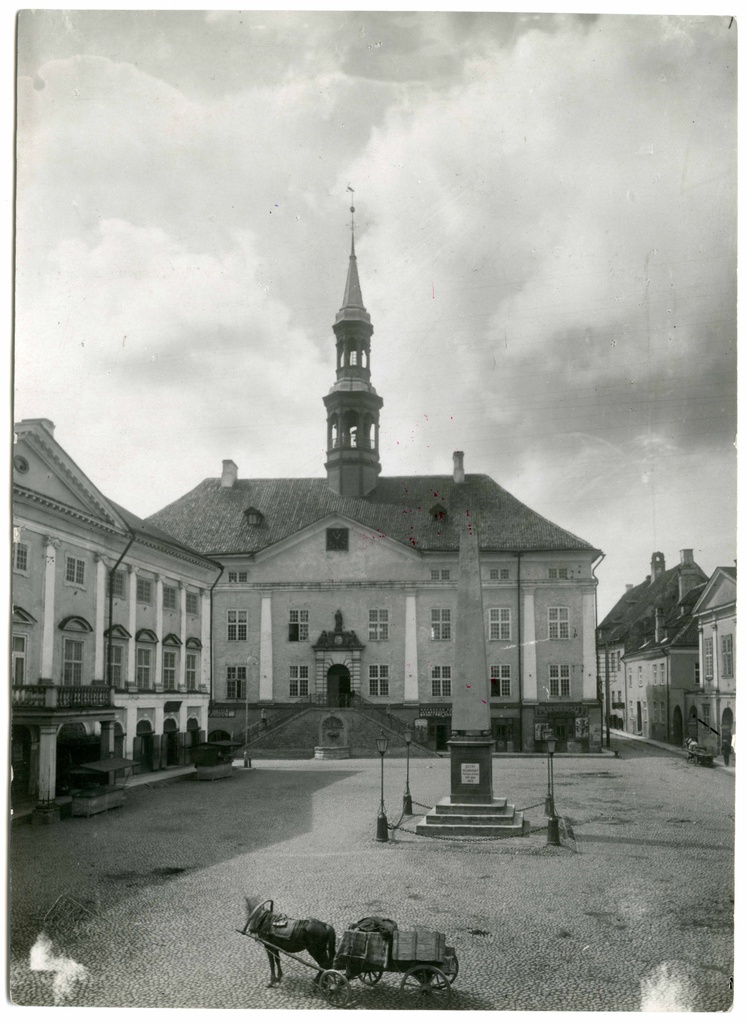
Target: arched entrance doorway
678,726
74,748
339,687
171,738
143,747
726,725
193,732
218,734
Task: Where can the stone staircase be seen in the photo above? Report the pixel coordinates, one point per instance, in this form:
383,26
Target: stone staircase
453,819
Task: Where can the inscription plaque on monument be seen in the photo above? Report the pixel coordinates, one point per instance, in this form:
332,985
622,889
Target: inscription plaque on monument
469,773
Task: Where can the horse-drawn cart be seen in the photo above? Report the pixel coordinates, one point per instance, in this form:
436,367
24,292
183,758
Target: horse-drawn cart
698,755
368,949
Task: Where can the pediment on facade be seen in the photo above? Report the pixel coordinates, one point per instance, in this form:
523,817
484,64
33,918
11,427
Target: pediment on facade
719,592
359,532
117,632
76,624
146,636
20,615
42,470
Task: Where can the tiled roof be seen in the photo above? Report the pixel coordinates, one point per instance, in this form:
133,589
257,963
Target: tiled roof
632,619
211,518
148,530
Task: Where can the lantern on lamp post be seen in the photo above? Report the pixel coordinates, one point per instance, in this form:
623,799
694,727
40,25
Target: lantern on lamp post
552,824
407,805
382,821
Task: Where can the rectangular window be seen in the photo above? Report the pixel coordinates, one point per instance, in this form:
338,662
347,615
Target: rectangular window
697,673
20,557
499,574
336,538
75,570
499,623
379,680
435,573
559,680
726,655
169,670
236,625
236,682
237,577
500,681
144,591
116,583
620,696
708,650
706,714
298,624
191,671
559,623
440,623
612,662
378,624
192,603
298,680
663,673
170,598
629,677
116,658
440,574
19,660
639,675
655,675
72,663
558,574
441,680
143,668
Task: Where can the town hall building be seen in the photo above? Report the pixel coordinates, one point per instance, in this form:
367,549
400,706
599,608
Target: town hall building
340,591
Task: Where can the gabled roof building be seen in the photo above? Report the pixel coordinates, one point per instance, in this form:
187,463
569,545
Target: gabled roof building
341,591
648,651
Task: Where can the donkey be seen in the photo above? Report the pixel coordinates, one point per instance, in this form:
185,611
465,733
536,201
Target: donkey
310,936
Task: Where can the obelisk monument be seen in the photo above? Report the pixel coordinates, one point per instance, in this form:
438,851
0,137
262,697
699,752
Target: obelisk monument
471,743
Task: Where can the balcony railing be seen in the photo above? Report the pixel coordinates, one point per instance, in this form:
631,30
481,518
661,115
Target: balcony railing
62,697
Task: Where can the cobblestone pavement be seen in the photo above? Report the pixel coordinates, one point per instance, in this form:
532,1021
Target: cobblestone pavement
633,911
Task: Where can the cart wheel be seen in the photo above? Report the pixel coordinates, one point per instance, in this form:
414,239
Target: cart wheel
426,988
370,977
335,988
450,966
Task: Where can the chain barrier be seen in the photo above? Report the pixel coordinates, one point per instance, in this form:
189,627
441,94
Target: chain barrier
397,827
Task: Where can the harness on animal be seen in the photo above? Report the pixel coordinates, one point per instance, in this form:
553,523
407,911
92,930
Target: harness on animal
267,925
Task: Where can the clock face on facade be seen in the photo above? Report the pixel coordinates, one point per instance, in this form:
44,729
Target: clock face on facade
337,538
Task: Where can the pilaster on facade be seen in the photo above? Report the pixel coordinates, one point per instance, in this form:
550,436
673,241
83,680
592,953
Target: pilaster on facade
158,682
590,682
205,639
132,626
411,668
266,649
529,690
182,591
100,616
51,544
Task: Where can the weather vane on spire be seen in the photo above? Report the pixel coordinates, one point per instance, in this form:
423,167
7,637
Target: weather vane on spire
353,210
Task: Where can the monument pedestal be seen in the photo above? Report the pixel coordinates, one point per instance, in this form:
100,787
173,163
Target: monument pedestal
471,768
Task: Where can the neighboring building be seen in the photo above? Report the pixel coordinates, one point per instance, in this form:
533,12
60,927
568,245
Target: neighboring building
712,707
93,676
648,656
342,591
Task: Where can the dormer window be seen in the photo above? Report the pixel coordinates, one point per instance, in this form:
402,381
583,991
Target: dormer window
438,511
253,517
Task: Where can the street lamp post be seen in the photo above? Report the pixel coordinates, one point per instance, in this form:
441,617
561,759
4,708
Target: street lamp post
407,805
382,821
552,824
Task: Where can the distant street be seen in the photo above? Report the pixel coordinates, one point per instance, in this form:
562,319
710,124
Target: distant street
634,911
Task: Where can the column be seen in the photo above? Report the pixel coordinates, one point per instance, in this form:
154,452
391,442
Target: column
266,649
132,626
48,628
411,670
131,723
530,678
205,639
106,745
100,617
182,635
47,763
157,679
159,740
590,690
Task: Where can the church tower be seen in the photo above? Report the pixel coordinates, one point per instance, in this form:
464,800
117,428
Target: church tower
352,404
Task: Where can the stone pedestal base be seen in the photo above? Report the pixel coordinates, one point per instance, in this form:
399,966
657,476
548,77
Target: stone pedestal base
332,753
471,769
45,815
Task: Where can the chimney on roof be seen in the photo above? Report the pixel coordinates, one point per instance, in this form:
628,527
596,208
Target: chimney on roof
660,625
228,473
657,564
689,575
628,586
458,471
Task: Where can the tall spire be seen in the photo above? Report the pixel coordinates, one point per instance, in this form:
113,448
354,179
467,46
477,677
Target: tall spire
352,404
353,303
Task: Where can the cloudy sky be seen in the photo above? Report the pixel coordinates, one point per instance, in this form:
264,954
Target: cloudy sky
545,230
